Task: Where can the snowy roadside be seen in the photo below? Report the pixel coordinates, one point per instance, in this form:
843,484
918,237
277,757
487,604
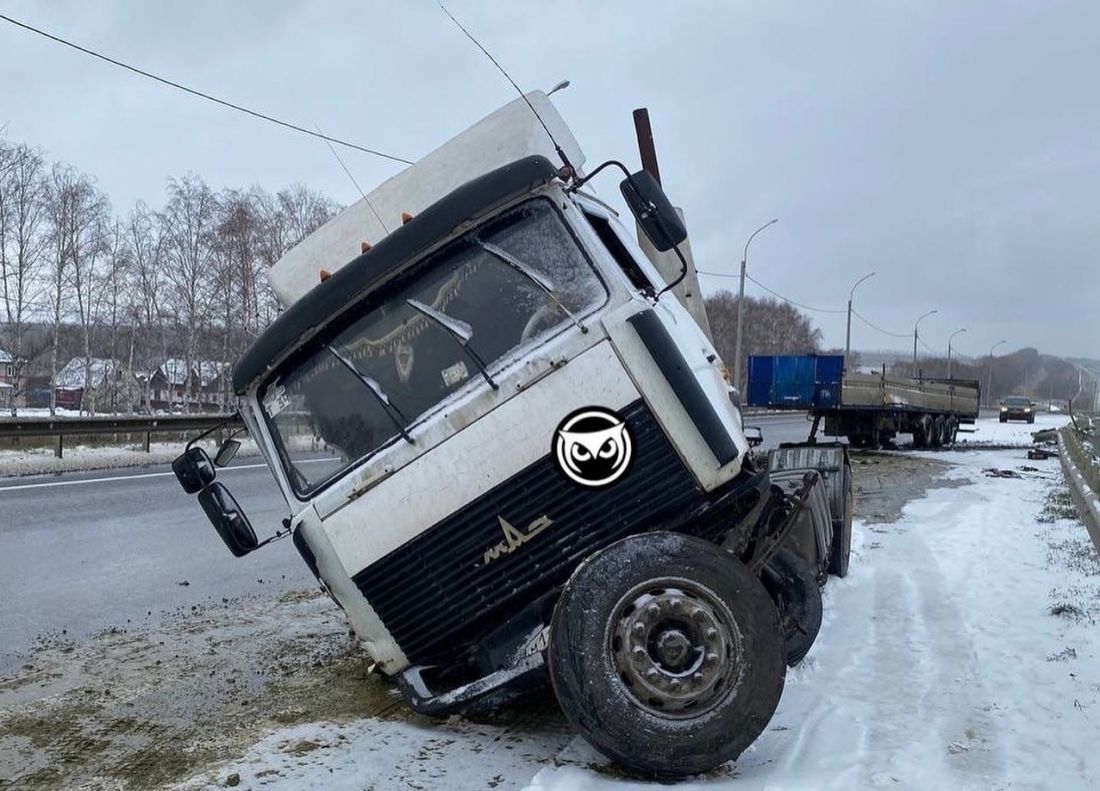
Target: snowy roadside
958,651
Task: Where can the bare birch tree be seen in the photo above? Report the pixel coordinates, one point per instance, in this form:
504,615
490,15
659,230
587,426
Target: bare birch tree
188,222
22,244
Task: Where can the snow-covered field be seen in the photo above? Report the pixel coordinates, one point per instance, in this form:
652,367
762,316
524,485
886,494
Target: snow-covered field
960,652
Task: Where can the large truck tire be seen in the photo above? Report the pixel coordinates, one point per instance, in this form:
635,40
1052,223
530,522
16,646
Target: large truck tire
922,432
792,583
937,431
666,654
952,431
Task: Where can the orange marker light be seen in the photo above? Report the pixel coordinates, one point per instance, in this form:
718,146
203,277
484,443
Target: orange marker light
364,247
325,275
405,217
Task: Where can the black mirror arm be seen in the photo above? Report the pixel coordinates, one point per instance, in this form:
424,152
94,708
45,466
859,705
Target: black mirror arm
578,183
279,534
683,273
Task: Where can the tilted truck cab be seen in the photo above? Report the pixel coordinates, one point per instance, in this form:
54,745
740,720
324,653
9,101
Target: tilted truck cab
509,455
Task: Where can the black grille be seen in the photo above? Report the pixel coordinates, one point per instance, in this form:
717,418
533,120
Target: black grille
436,594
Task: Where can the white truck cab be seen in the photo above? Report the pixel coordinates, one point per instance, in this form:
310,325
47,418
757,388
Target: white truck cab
508,450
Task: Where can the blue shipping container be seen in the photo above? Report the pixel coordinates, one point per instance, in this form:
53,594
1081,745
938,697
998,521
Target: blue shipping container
795,381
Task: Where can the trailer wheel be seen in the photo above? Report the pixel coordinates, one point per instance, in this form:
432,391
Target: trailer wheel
666,654
792,584
936,439
922,428
952,431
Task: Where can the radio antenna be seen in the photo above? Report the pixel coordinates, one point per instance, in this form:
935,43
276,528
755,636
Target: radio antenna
569,170
353,181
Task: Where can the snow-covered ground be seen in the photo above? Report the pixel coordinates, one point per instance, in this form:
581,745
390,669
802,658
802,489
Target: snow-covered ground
960,652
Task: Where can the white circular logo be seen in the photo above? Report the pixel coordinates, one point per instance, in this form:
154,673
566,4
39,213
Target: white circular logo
593,446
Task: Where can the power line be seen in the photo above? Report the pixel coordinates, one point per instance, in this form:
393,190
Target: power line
874,326
200,94
929,348
774,293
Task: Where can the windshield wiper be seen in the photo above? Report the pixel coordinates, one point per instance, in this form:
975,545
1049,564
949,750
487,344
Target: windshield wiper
535,277
462,333
391,410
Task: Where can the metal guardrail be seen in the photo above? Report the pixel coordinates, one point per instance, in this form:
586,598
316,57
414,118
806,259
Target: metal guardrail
147,425
1083,477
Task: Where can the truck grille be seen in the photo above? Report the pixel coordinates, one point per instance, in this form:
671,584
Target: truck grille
437,594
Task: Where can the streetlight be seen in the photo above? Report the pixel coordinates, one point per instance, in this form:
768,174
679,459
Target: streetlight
741,305
848,334
915,336
560,86
951,338
989,374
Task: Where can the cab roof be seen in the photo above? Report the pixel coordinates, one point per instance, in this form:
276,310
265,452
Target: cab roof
352,283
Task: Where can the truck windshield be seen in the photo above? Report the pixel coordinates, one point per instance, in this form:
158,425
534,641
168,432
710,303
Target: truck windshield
322,418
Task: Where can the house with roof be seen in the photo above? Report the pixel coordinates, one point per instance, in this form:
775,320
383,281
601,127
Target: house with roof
84,380
204,386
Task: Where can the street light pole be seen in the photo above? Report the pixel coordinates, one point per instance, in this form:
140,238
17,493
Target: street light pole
915,336
848,332
741,306
989,374
951,338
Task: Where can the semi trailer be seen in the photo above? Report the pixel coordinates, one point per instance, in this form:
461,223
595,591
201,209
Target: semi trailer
510,455
870,409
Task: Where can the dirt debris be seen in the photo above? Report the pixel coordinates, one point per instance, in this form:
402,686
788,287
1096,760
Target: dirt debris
140,710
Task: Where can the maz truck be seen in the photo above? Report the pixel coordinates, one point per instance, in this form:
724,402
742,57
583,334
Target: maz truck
511,457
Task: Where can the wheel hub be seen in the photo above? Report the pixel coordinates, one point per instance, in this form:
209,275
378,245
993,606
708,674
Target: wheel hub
675,647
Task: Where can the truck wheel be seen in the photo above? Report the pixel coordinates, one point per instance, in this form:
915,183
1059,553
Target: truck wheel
792,584
952,431
921,431
666,654
936,439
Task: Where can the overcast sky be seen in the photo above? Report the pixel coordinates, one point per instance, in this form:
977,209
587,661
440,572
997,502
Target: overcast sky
951,147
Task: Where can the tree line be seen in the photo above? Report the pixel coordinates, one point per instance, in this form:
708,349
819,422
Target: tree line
139,287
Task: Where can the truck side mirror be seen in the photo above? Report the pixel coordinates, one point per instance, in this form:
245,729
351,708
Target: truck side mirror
653,210
227,452
228,519
193,470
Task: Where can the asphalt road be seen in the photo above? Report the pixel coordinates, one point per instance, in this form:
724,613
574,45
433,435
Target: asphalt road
777,428
84,552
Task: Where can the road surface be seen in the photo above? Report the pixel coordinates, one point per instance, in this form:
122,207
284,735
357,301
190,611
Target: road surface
85,552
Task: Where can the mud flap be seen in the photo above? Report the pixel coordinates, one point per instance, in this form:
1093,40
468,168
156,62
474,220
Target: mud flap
831,462
770,537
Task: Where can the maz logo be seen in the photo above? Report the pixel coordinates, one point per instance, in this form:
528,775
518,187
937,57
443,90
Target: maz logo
513,538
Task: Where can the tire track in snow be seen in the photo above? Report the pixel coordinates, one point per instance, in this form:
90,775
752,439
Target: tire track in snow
929,702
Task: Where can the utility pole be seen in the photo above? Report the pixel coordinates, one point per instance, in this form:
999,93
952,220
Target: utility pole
915,336
989,374
668,264
951,338
741,306
848,333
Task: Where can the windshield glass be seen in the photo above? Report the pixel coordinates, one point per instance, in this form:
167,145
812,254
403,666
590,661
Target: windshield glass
1017,401
482,311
